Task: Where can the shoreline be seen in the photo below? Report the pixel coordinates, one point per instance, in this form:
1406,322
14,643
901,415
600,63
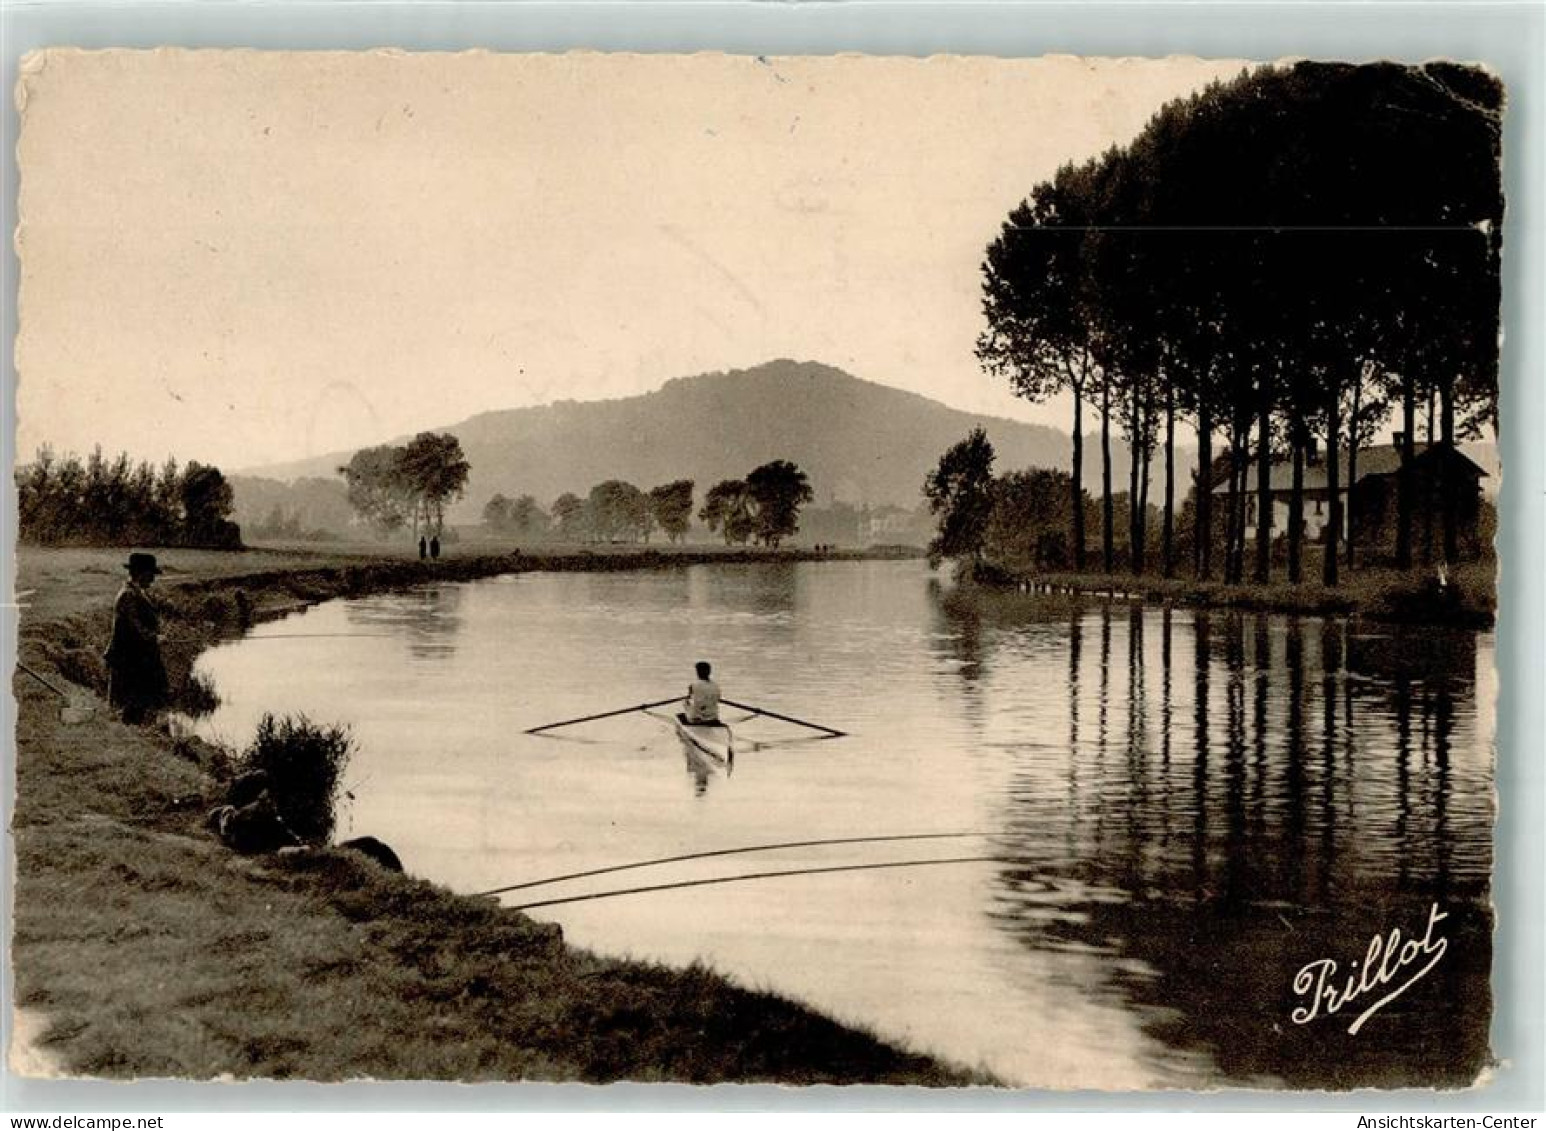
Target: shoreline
149,949
1384,595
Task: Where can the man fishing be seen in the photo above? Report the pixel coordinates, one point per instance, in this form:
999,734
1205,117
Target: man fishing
136,679
702,696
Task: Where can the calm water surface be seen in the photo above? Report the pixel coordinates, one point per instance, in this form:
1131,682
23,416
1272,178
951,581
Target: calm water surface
1166,813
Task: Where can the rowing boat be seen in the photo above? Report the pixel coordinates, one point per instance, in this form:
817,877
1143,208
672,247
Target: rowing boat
712,740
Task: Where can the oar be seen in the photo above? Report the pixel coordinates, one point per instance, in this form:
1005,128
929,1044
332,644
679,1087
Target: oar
828,731
604,715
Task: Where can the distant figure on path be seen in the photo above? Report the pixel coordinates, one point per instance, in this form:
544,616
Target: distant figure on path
136,675
423,549
702,697
434,547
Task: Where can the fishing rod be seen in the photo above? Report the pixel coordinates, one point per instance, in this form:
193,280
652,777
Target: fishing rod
729,852
65,695
74,711
759,876
189,638
323,636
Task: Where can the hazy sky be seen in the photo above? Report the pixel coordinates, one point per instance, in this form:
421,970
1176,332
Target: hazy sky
243,257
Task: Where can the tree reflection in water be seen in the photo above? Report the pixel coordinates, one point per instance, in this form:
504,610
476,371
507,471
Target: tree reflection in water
428,619
1242,841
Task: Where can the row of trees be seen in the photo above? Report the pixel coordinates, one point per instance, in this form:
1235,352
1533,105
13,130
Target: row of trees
393,486
765,507
1291,257
110,502
618,511
613,511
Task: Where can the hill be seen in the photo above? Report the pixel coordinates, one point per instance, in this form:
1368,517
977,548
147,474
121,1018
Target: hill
859,442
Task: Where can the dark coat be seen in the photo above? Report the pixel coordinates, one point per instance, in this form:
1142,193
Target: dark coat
136,675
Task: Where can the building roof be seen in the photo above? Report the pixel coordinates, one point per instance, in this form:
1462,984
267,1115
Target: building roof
1379,460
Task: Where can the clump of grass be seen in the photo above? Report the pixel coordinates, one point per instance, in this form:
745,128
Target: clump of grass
214,758
198,696
304,763
217,608
1465,597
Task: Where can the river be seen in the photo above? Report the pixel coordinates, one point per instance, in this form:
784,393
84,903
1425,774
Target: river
1143,823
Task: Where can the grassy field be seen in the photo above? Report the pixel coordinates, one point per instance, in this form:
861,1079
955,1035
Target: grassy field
142,947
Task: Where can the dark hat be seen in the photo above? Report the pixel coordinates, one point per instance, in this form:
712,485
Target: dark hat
142,563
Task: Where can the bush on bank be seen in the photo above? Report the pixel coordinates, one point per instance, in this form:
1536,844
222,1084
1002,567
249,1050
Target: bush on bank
303,762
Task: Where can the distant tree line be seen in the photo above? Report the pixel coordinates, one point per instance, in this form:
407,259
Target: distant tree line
309,509
116,502
765,507
614,511
1282,262
395,486
521,517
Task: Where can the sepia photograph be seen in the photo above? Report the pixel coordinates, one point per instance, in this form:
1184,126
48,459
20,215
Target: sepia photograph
966,572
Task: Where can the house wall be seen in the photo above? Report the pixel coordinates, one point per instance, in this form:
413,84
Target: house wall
1317,513
1374,501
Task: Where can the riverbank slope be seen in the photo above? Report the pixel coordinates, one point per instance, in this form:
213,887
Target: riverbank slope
148,949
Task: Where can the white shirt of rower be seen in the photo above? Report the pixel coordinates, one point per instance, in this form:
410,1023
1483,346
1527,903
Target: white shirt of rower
702,701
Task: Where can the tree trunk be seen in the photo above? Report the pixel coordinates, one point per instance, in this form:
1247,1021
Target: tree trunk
1354,438
1426,507
1242,497
1239,465
1105,472
1143,495
1134,471
1447,490
1168,530
1296,513
1230,513
1202,533
1264,481
1079,478
1352,485
1404,474
1426,510
1334,494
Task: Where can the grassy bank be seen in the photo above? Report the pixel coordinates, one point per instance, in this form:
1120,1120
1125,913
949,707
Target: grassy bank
1379,594
148,949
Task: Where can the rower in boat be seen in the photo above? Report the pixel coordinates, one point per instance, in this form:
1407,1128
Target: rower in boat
698,722
702,696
